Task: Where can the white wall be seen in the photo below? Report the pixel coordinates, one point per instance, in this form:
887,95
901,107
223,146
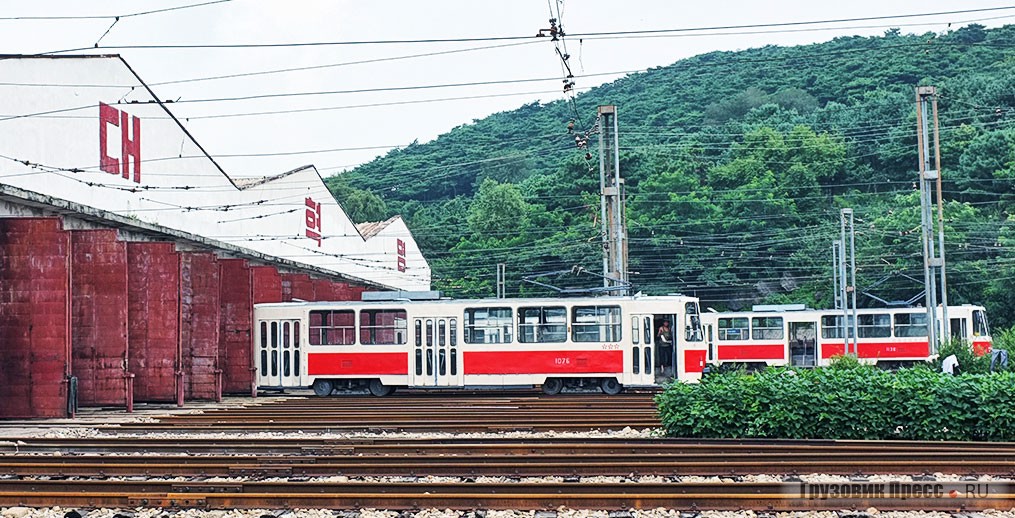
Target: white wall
50,117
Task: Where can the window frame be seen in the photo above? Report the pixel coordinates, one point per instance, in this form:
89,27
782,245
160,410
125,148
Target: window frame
743,333
320,335
539,331
605,325
502,325
768,328
399,326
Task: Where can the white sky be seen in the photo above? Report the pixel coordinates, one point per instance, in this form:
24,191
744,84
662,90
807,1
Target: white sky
332,132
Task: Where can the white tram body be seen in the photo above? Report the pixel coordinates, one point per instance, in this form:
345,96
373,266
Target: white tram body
606,342
805,337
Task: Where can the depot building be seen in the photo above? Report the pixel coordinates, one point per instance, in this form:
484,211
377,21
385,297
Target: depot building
130,261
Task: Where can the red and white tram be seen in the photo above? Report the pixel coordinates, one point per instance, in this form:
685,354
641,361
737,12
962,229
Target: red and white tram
803,337
605,342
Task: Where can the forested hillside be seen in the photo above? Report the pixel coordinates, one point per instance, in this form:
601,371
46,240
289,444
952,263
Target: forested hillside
737,164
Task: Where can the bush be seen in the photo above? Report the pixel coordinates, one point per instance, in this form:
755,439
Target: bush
844,402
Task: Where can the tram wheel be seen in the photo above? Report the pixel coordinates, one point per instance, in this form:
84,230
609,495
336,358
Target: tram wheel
379,389
323,388
611,386
553,386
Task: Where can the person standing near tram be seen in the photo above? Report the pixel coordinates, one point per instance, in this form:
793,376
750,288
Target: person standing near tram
664,344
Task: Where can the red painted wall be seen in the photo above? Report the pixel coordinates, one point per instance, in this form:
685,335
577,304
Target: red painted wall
235,333
267,284
199,325
99,317
153,295
297,286
322,289
344,291
34,317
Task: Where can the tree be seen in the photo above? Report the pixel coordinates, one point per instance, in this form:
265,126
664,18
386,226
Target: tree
497,210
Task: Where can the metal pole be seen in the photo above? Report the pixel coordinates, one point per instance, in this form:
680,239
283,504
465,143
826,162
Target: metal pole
603,202
852,278
945,323
835,274
501,284
612,185
925,216
842,285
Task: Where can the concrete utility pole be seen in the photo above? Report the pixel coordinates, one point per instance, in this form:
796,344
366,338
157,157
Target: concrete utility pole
836,254
614,215
847,284
501,284
933,260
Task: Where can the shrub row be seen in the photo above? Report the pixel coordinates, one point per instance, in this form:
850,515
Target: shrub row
857,402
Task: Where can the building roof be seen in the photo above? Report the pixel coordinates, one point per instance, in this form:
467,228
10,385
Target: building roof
372,228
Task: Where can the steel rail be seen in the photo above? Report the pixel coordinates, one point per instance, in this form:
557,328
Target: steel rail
308,444
215,495
534,464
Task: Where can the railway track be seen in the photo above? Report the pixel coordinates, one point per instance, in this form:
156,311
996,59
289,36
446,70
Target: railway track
388,495
425,412
214,461
512,459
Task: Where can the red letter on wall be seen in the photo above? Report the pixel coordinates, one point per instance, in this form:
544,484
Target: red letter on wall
131,147
313,220
107,115
400,248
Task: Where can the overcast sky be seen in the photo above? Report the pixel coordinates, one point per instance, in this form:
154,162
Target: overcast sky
337,130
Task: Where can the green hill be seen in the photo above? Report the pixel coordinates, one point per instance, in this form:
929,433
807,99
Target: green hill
737,164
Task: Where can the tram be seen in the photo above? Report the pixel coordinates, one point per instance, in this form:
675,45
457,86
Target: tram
795,336
604,343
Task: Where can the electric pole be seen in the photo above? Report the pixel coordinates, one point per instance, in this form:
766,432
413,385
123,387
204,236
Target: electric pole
847,284
930,180
611,187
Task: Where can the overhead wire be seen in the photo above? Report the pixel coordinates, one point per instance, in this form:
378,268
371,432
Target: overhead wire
108,16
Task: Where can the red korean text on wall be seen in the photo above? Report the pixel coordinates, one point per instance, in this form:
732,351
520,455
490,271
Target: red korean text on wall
401,255
313,220
130,142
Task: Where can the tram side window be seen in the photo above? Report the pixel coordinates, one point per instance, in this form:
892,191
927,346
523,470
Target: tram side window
831,326
382,327
733,328
767,328
595,324
692,328
980,324
488,325
911,324
332,327
542,324
874,326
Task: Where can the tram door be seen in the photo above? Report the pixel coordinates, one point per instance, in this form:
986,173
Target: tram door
278,353
803,349
436,356
642,357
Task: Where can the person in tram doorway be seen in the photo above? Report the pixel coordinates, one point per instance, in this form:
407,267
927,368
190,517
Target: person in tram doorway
664,343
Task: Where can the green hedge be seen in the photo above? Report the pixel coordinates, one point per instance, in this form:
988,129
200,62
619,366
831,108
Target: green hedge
851,402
